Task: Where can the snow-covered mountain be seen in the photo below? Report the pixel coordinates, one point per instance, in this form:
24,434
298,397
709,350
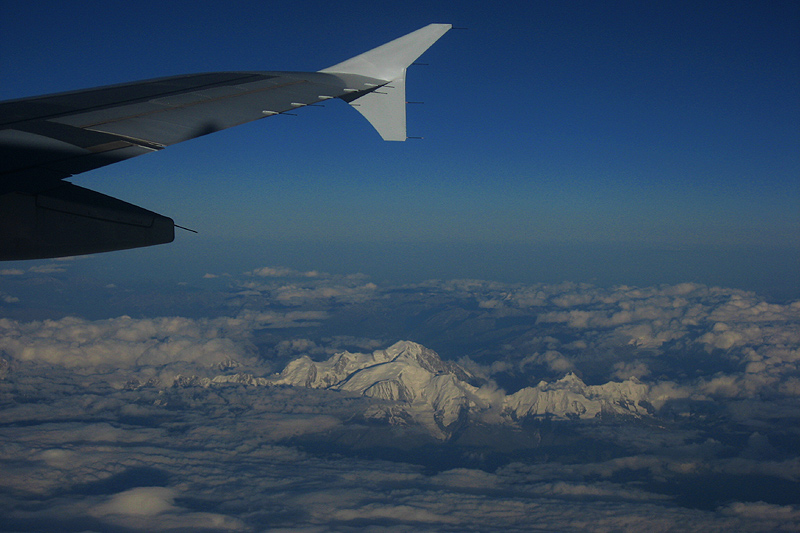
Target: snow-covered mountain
436,394
429,391
569,397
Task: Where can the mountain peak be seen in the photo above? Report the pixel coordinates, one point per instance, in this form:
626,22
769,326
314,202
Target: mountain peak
424,357
406,372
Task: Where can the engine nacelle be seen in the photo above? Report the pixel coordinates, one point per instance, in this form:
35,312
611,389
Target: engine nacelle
71,220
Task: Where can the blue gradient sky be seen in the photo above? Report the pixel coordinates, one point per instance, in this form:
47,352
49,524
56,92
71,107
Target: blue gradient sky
556,134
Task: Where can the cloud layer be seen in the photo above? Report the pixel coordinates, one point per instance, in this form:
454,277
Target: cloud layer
172,422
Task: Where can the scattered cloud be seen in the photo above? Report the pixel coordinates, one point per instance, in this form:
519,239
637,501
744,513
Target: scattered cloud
283,272
48,268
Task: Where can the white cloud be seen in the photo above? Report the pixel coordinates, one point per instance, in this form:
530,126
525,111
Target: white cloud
282,272
554,360
789,515
48,268
636,369
141,501
74,342
465,478
154,509
600,490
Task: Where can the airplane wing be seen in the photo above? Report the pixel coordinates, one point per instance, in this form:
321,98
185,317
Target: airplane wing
45,139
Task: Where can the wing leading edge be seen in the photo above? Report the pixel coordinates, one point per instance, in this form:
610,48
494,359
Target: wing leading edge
46,139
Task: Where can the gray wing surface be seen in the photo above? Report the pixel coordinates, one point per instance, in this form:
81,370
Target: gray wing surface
45,139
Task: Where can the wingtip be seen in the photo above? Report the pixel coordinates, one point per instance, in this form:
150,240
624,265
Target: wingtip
386,110
388,61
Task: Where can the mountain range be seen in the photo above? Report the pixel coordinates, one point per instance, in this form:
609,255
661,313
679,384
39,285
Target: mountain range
418,387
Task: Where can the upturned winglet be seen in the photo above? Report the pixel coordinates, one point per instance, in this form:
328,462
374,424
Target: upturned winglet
385,107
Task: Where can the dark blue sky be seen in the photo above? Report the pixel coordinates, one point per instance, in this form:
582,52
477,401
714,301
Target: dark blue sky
669,128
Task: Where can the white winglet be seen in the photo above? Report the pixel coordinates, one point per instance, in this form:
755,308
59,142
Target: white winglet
385,107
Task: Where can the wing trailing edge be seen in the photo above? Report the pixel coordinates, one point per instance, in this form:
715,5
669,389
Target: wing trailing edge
72,220
385,107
